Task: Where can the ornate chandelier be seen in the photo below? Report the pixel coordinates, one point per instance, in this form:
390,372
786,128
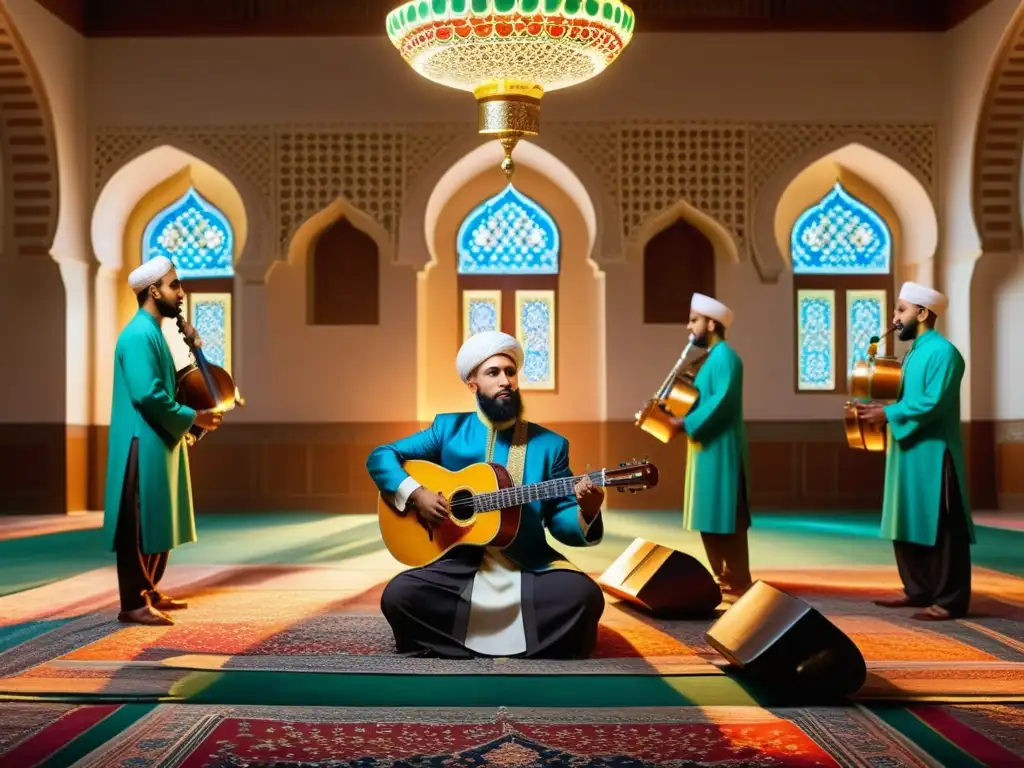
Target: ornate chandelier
509,53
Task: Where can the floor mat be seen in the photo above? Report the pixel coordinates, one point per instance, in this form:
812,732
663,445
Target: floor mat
201,737
990,735
307,619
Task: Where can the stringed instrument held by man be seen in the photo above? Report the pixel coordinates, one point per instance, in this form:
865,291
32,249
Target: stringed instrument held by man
204,386
485,506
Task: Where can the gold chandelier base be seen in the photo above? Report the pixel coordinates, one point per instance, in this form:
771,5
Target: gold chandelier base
508,117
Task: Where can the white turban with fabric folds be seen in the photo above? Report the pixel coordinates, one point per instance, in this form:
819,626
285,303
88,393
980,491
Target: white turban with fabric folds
149,273
481,346
709,307
923,296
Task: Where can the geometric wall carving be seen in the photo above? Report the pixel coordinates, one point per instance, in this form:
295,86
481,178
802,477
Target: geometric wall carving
998,146
248,149
29,162
646,166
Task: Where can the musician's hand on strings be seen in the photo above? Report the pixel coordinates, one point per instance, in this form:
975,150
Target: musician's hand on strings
208,420
872,413
432,507
589,496
191,333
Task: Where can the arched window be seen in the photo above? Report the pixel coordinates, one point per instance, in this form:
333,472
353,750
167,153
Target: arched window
508,251
678,262
841,251
344,277
199,240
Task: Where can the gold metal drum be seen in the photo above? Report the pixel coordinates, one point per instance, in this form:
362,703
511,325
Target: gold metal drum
877,378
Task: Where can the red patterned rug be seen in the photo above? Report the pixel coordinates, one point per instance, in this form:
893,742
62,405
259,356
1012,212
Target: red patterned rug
312,619
31,733
992,734
195,736
203,737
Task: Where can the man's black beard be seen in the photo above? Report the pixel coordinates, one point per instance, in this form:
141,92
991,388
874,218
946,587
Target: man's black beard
702,340
500,410
908,331
167,308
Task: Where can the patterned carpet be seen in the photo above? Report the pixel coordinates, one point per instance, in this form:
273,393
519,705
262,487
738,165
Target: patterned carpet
194,736
198,736
308,619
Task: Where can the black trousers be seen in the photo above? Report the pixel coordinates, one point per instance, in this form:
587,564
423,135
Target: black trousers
940,574
728,553
137,573
428,609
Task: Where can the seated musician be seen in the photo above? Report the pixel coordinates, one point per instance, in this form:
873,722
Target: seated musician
525,600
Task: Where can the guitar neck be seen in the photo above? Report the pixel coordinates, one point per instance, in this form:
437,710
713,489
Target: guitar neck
523,494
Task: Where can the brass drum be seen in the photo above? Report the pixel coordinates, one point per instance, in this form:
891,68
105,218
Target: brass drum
877,378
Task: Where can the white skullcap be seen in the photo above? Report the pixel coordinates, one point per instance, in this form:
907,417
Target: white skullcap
923,296
481,346
149,273
716,310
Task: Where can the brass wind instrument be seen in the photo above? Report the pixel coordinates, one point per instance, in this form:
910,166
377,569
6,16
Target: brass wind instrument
673,399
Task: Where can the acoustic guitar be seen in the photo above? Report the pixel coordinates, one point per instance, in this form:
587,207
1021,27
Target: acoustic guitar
486,506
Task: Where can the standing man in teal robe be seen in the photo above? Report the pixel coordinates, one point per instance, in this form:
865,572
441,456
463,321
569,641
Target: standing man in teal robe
717,474
148,500
525,600
925,511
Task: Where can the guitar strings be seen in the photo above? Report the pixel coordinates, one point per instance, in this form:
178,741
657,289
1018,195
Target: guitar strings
484,500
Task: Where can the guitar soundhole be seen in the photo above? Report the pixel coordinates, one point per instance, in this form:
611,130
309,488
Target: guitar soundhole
462,505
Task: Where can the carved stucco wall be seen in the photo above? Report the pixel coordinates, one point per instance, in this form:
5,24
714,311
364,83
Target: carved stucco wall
645,166
28,148
998,145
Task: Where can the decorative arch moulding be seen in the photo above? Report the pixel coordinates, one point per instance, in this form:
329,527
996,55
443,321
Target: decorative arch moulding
28,149
646,166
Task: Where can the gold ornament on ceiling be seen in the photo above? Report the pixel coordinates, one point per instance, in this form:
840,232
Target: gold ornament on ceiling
509,53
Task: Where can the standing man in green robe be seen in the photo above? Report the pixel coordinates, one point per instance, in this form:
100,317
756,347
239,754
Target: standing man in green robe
715,499
925,511
148,502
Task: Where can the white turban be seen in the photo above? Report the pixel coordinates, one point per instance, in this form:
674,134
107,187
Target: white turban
716,310
481,346
149,273
923,296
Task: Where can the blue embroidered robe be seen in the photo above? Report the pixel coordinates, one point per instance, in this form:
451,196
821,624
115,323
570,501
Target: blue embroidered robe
457,440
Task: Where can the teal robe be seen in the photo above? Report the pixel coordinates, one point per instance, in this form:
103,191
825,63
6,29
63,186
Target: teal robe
457,440
924,423
143,407
716,445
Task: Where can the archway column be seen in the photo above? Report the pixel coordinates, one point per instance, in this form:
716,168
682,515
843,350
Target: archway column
33,433
987,343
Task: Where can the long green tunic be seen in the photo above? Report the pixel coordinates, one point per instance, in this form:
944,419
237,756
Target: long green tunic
924,423
144,407
716,444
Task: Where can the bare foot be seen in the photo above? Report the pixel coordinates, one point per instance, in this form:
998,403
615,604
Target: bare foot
145,615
